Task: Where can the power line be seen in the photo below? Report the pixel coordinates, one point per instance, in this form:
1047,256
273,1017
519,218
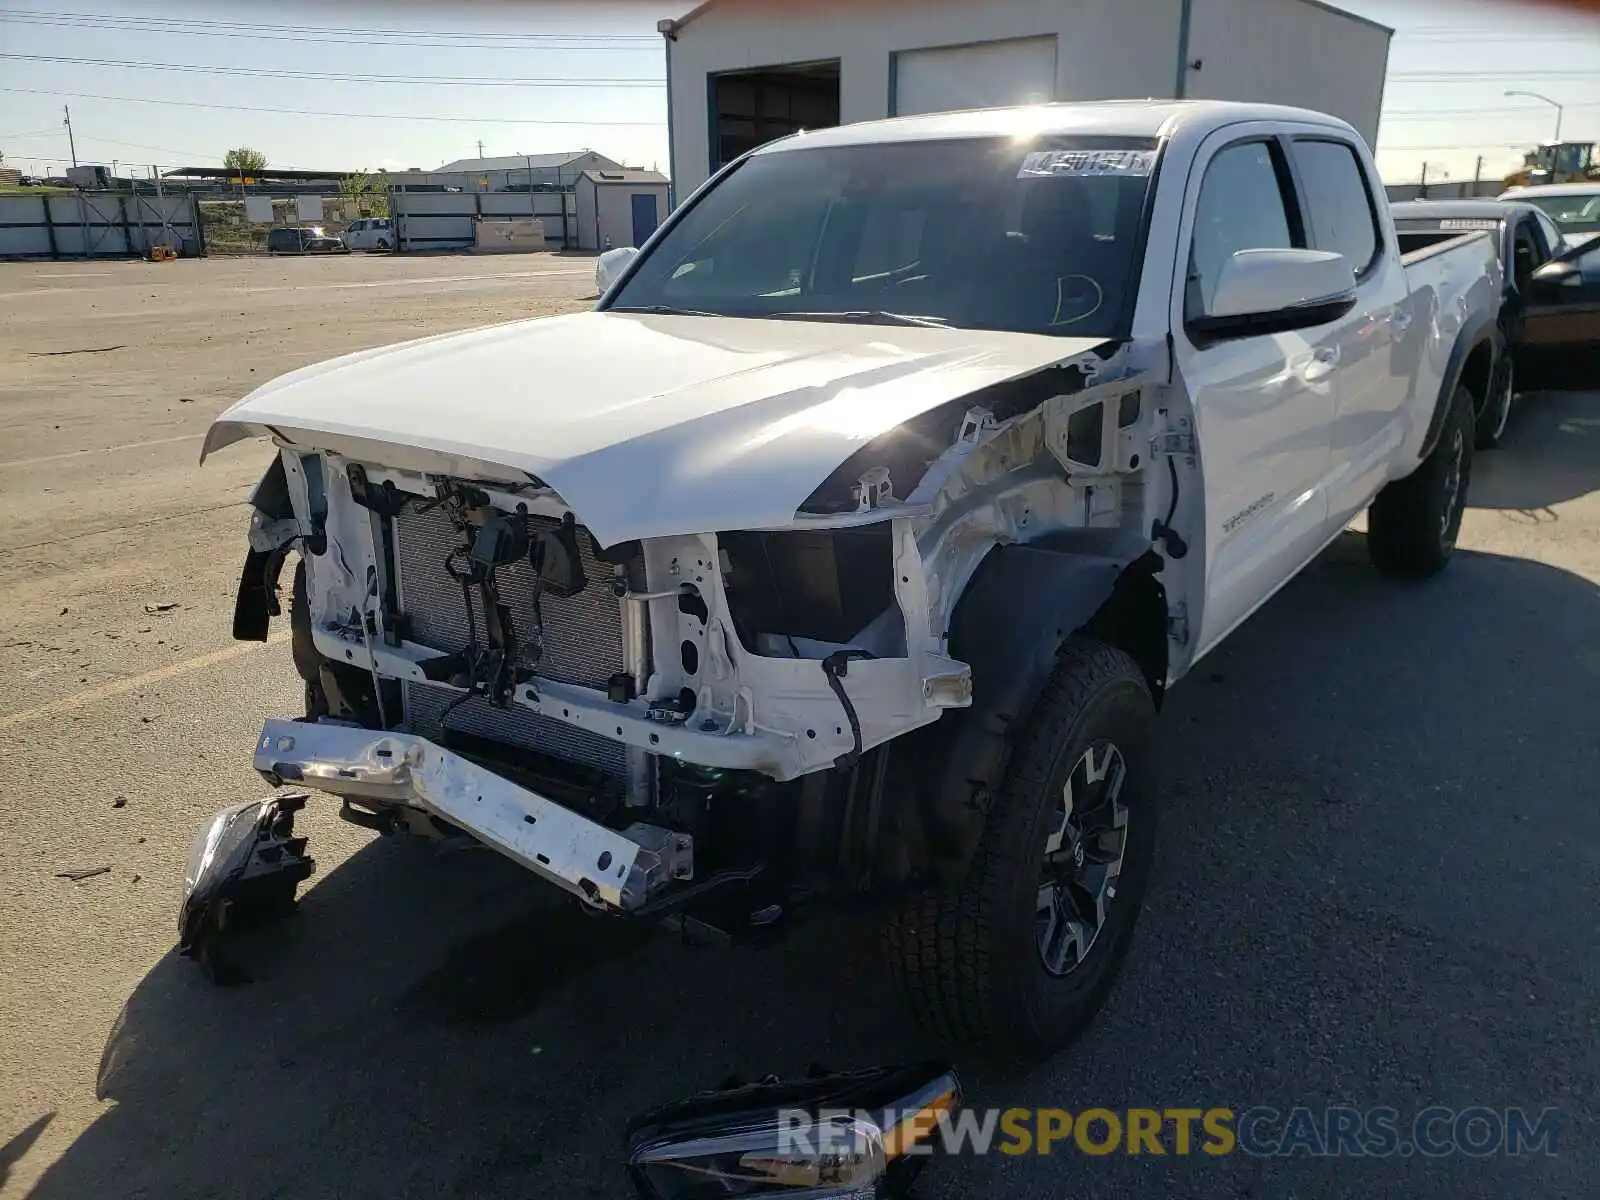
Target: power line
1424,114
241,28
316,112
32,133
353,37
531,81
1465,76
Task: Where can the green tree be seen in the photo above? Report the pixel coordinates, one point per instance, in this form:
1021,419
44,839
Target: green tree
366,193
245,160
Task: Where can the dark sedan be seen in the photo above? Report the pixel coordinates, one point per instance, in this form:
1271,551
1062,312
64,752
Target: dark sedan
305,239
1550,314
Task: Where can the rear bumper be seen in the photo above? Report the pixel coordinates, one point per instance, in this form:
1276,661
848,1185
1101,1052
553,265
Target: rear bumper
599,865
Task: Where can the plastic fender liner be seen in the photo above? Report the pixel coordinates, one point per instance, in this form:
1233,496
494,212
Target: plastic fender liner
255,603
1484,331
1023,603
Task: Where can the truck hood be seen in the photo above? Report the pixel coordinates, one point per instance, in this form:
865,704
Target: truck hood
646,425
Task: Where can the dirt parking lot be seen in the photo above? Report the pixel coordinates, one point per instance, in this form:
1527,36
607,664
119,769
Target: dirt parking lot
1378,879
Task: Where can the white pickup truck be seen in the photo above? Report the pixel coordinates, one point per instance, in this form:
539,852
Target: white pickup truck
849,547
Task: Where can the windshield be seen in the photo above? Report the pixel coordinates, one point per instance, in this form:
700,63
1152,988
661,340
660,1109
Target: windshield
1575,212
1039,236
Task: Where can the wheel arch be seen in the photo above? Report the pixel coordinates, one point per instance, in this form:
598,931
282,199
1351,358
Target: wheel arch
1472,364
1020,608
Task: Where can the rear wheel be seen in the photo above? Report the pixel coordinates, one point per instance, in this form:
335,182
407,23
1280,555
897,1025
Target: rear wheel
383,244
1413,524
1023,955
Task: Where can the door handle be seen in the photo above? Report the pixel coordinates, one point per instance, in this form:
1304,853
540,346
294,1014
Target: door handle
1401,321
1328,355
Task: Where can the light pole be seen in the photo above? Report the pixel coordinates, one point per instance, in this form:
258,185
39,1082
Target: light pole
1553,104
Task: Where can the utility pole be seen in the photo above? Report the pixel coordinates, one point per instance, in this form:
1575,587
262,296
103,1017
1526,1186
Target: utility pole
71,145
480,147
1477,175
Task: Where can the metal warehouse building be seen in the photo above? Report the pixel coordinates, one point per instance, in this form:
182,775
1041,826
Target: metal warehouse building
512,173
742,73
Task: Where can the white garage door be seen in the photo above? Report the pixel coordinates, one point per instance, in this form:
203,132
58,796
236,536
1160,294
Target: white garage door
986,75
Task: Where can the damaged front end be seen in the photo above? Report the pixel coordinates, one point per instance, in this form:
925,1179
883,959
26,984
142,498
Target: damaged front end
709,728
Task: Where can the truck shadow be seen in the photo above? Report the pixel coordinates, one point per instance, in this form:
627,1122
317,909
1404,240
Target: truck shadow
1353,786
1550,454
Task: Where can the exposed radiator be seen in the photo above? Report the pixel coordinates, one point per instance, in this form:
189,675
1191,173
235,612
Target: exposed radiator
582,640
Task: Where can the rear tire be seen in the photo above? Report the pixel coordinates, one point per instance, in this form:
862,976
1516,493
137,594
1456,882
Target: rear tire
1413,524
972,963
383,244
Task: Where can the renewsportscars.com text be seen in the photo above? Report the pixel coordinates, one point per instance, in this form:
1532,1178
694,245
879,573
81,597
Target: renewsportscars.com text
1332,1132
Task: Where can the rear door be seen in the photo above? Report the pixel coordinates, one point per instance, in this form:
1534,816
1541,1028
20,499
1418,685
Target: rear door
1264,405
1340,199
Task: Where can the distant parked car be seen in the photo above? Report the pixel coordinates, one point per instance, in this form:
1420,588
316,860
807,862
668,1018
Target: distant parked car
370,233
1548,307
305,239
1575,207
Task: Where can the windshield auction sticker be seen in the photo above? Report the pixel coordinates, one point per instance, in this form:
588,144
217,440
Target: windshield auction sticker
1076,164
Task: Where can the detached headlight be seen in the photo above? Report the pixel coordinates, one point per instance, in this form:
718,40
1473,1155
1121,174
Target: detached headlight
245,864
858,1136
216,850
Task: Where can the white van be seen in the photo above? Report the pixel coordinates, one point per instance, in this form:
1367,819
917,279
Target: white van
370,233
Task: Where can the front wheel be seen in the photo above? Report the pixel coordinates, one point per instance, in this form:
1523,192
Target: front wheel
1023,955
383,244
1413,524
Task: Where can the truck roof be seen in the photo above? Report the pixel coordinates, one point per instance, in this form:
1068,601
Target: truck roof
1125,118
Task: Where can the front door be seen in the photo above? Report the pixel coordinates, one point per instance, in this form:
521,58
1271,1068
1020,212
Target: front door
1561,317
1264,405
645,219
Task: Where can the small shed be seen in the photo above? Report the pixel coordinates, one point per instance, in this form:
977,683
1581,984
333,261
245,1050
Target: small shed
619,208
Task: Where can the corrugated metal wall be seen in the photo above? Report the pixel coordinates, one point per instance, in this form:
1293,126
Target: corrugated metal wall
444,220
97,225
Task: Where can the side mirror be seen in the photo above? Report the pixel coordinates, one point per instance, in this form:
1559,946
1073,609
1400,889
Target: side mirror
1274,291
610,266
1560,272
829,1137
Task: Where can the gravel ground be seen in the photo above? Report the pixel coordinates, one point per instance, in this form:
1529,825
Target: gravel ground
1377,882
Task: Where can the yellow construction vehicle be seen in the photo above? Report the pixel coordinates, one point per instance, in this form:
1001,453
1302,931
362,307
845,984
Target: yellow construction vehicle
1560,162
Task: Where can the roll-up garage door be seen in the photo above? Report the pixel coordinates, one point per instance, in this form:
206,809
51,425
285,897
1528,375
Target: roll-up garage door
982,75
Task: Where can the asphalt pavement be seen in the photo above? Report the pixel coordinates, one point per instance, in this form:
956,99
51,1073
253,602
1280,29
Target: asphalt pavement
1377,882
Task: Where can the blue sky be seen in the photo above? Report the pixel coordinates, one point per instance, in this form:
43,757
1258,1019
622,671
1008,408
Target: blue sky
1444,104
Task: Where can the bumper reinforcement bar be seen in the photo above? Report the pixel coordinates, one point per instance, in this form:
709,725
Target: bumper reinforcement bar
600,866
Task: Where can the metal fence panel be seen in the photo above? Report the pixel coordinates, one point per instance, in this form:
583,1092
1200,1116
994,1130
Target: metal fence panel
86,224
444,220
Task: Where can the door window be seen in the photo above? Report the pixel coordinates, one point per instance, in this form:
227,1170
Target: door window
1525,255
1241,207
1339,206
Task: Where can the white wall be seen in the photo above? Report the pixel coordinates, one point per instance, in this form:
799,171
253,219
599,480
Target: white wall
584,195
1289,52
1106,49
